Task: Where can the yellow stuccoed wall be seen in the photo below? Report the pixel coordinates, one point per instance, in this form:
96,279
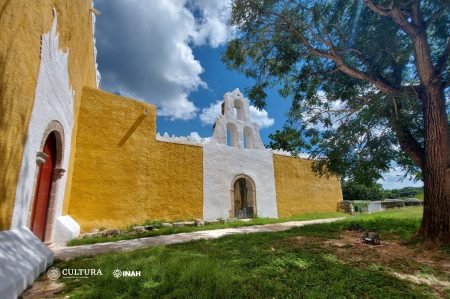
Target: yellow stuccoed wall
122,175
300,191
22,24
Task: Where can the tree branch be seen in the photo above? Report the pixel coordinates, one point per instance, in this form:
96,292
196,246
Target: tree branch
416,32
406,140
383,11
397,15
379,82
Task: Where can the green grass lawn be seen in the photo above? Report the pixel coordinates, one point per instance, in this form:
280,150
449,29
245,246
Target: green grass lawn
291,264
176,230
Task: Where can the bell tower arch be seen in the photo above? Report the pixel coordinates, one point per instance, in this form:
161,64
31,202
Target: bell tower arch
235,120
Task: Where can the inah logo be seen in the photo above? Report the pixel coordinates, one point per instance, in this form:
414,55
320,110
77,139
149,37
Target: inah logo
53,273
117,273
123,273
131,273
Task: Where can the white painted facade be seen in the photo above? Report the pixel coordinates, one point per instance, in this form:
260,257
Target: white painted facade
222,163
53,103
235,124
23,257
66,228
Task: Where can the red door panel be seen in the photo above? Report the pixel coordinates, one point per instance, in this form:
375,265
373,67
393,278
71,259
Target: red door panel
43,190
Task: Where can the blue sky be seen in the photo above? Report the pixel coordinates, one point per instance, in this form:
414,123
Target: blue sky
220,80
168,53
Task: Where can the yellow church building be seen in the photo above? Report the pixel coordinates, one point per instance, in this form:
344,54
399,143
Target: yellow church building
74,158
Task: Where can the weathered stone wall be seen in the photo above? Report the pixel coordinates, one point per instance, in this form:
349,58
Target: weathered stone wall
23,23
300,191
122,174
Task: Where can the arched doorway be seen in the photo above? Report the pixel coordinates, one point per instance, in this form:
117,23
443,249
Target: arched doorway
243,195
43,191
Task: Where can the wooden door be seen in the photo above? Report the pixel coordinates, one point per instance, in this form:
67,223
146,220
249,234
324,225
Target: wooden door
43,189
241,210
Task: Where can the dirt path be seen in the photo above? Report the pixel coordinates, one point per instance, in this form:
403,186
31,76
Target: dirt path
67,253
418,265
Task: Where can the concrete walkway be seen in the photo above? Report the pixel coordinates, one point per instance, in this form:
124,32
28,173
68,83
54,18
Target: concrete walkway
70,252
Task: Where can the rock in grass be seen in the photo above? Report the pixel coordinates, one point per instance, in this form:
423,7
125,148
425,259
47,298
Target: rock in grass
138,229
111,232
340,245
184,223
166,224
199,222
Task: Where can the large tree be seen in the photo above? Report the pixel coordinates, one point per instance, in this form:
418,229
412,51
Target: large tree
368,82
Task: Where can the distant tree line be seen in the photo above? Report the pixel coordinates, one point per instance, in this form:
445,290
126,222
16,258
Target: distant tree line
355,191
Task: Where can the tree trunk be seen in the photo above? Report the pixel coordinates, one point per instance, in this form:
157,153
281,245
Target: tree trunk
435,227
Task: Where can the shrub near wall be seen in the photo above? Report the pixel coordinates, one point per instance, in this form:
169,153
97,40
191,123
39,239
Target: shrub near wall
354,191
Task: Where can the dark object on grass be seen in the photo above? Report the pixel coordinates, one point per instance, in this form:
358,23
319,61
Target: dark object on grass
149,227
370,238
355,227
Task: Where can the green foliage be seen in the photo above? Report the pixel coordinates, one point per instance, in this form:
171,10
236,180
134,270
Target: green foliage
406,192
263,265
288,139
347,124
355,191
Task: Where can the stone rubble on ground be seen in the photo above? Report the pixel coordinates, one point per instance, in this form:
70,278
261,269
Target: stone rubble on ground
111,232
139,229
95,232
339,244
183,223
346,206
199,222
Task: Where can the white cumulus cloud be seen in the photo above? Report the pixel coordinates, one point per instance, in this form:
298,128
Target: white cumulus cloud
145,48
195,136
395,179
260,117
